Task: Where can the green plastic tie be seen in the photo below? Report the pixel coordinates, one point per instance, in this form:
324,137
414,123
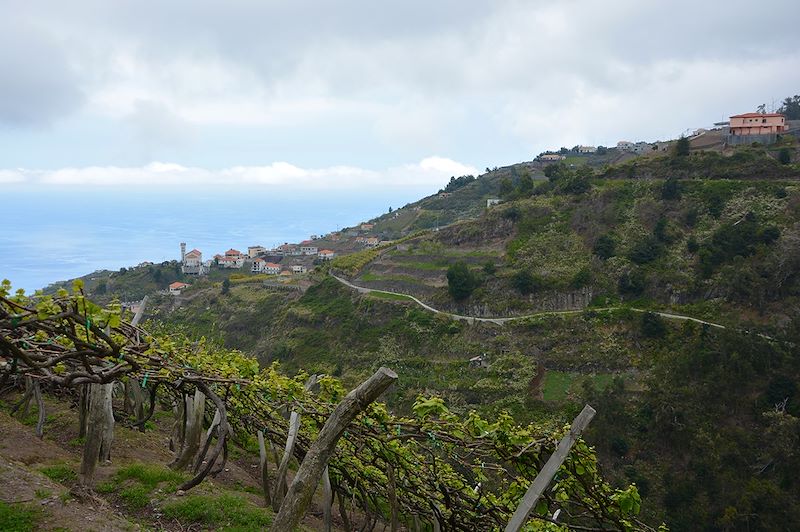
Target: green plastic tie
144,380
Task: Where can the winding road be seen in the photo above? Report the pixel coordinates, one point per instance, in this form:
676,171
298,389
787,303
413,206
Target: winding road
502,320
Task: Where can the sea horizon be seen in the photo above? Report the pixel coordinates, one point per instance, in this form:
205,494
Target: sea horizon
63,232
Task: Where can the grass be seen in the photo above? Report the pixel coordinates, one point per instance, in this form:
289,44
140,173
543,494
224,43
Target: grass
145,478
559,384
15,518
136,497
59,473
225,511
392,297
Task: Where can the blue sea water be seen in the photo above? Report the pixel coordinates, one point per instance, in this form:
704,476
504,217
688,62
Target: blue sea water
57,233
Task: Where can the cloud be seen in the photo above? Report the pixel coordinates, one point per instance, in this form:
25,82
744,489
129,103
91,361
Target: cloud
430,172
12,176
38,84
410,76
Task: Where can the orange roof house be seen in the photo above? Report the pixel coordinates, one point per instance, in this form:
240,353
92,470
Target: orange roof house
757,124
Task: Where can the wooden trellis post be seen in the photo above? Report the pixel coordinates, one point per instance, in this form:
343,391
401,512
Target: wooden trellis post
549,470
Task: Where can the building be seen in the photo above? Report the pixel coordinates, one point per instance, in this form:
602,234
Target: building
255,251
586,149
367,227
271,268
750,124
258,265
625,145
176,287
493,201
299,268
307,249
372,242
193,263
550,157
234,254
327,254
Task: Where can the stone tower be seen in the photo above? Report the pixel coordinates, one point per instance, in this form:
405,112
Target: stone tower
183,250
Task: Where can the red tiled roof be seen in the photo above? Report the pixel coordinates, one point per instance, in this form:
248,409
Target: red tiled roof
233,252
194,252
272,265
325,251
756,115
177,284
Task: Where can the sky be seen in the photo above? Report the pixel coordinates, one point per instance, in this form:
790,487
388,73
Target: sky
357,95
128,126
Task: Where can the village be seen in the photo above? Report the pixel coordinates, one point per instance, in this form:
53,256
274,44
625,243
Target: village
284,261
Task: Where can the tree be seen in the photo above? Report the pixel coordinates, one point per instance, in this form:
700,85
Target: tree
525,282
653,325
790,108
506,187
784,156
671,189
525,185
601,150
682,147
226,286
461,282
605,247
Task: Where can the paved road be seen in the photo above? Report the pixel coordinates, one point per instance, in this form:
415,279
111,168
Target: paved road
502,320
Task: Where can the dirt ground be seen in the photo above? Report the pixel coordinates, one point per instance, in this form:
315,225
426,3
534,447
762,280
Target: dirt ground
67,507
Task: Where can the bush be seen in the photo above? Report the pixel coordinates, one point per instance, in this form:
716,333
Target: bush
645,251
670,190
632,283
784,156
653,326
605,247
691,245
526,283
461,281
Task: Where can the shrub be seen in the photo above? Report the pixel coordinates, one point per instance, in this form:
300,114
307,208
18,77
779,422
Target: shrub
604,247
461,281
653,326
671,190
526,283
691,245
784,156
632,283
645,250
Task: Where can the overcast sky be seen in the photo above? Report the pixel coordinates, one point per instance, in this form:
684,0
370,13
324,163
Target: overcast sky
300,93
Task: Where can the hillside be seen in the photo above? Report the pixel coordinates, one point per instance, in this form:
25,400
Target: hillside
702,419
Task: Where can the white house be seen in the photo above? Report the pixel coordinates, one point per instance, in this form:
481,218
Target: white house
492,201
625,145
550,157
176,287
307,249
587,149
327,254
372,242
299,268
255,251
193,263
258,265
272,268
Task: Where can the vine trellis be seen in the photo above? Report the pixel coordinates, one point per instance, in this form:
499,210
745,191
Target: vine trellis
434,468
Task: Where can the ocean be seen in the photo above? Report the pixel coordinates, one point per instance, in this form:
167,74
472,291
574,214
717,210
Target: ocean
56,233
